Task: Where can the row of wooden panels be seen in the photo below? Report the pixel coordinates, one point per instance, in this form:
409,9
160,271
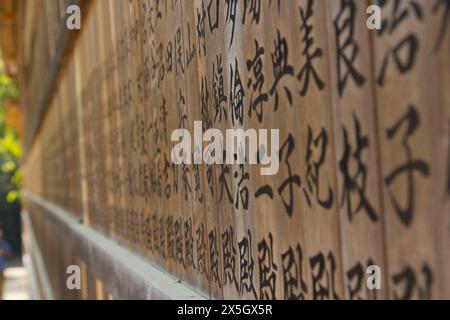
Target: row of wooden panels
364,142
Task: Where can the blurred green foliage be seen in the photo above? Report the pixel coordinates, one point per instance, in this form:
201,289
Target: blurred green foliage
10,151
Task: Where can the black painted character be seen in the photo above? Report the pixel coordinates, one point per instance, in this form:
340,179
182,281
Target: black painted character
188,244
288,184
409,43
294,285
246,265
267,269
355,282
355,183
308,41
281,68
410,122
316,145
214,257
229,257
346,47
256,82
237,94
220,99
201,250
323,276
242,193
253,8
445,23
201,32
408,277
231,16
213,15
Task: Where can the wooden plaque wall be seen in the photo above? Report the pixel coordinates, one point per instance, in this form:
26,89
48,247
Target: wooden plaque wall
364,120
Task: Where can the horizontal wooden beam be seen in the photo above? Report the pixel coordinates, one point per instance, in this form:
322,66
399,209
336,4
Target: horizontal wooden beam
126,274
34,262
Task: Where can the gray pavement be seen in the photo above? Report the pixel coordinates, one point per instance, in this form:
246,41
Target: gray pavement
17,285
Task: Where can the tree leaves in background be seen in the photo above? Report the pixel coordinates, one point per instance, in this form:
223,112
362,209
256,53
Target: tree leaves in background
10,151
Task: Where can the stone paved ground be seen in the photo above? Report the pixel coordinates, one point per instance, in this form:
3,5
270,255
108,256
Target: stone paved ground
17,286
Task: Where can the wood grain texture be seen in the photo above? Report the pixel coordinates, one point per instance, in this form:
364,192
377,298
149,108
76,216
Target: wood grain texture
363,118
